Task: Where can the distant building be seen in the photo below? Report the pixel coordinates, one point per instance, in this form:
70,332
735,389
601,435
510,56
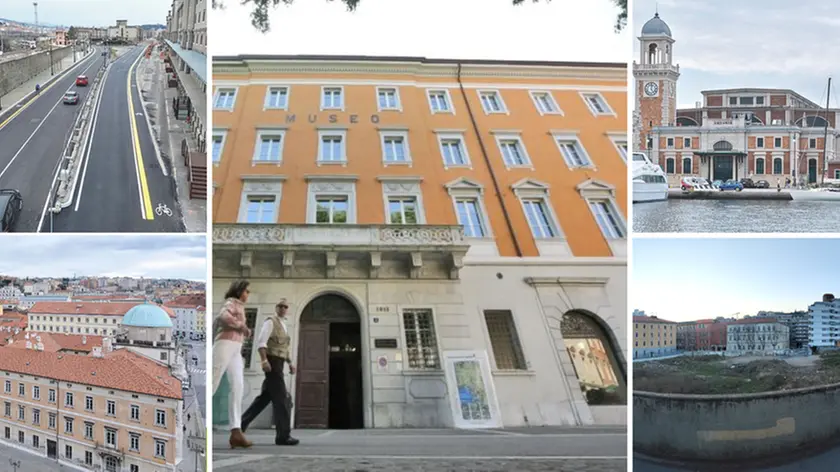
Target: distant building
798,324
27,302
702,335
757,335
104,319
824,321
122,31
653,337
60,38
81,344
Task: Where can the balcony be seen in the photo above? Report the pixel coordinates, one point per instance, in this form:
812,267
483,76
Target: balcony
338,251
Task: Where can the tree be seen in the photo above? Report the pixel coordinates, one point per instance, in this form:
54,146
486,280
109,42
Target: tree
71,33
259,16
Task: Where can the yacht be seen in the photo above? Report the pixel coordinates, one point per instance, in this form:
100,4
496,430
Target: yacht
649,183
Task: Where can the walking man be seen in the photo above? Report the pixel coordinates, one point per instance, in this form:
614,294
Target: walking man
273,345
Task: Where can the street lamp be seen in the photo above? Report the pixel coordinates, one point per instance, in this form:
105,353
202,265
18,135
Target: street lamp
14,464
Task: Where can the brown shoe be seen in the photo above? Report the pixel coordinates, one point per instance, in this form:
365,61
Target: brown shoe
237,439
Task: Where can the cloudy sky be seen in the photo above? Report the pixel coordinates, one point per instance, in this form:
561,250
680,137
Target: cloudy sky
52,255
750,43
684,279
87,12
561,30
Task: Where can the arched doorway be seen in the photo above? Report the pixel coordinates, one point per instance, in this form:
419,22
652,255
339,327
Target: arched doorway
724,165
329,361
597,361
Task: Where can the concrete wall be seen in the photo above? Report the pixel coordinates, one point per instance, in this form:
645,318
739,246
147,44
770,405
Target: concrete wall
730,427
16,72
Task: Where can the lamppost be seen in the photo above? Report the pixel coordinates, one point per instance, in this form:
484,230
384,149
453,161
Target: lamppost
14,464
52,69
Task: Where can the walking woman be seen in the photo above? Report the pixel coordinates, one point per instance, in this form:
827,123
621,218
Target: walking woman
231,329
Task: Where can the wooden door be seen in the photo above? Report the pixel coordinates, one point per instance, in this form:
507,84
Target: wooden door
312,394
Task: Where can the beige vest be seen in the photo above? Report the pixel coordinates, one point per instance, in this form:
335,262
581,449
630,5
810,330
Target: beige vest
279,341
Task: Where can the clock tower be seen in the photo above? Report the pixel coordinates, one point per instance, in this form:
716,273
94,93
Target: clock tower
656,82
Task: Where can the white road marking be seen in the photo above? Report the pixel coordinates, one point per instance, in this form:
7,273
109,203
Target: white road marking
503,433
227,462
86,157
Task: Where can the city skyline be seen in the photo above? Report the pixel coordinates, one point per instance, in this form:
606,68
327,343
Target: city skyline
532,30
686,279
161,257
87,13
715,51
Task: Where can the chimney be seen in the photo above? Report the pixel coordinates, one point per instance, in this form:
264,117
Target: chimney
97,351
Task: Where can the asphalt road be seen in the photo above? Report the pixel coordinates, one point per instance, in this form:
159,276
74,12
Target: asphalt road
821,461
122,186
32,141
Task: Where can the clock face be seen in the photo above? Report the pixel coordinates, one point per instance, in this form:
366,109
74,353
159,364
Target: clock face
651,89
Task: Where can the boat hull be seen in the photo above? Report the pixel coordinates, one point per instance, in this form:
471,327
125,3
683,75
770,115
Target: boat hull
815,196
649,192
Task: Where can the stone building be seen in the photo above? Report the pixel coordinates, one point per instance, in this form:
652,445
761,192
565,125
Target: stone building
763,336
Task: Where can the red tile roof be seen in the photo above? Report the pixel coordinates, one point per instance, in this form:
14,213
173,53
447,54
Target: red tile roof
85,308
193,299
120,370
54,342
651,319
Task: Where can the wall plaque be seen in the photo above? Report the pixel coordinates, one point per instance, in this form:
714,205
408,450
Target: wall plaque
385,343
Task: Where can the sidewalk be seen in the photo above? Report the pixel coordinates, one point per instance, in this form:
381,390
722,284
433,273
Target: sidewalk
11,98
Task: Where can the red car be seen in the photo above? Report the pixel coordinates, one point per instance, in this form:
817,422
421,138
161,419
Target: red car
81,81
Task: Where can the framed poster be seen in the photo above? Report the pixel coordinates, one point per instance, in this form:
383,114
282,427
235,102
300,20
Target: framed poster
472,395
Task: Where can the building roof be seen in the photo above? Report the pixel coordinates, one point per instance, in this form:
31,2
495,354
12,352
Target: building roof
656,27
754,320
120,370
651,319
55,342
761,91
190,299
147,315
87,308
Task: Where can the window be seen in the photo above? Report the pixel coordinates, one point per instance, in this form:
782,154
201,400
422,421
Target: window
402,210
573,153
21,413
88,458
269,147
513,151
686,165
607,218
331,210
111,408
597,104
439,101
218,145
111,464
733,100
160,448
160,418
51,396
539,218
248,343
224,99
135,468
36,441
21,389
36,416
491,101
277,98
837,173
51,421
590,350
470,217
746,100
21,437
759,100
420,340
88,403
452,150
395,148
759,142
7,410
68,399
621,145
134,442
759,165
68,425
331,98
545,103
111,437
261,209
8,388
68,451
388,98
777,142
7,432
777,165
669,143
88,430
331,148
812,143
504,340
687,143
36,392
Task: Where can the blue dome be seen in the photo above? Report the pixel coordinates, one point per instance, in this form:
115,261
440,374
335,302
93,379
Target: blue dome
147,315
656,27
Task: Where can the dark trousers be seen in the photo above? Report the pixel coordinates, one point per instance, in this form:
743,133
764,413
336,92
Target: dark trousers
274,392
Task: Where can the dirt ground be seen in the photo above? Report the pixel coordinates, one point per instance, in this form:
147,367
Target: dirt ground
719,375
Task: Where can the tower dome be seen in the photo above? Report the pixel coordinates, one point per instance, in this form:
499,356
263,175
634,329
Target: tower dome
656,27
147,315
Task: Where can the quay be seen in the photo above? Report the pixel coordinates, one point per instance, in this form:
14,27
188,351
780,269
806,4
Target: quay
746,194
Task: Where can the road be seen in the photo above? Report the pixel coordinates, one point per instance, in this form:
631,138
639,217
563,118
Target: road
122,184
381,450
29,461
822,461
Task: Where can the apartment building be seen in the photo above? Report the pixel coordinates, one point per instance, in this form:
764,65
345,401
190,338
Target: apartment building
824,321
757,336
104,319
113,412
187,319
653,337
415,210
702,335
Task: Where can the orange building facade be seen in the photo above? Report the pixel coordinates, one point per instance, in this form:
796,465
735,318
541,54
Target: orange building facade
442,204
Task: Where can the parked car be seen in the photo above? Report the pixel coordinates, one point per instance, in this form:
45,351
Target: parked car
71,98
730,184
81,81
748,183
762,184
11,203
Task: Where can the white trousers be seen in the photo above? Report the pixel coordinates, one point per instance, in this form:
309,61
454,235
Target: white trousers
227,357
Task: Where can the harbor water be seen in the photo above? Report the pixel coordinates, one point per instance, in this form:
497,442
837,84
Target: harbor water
736,216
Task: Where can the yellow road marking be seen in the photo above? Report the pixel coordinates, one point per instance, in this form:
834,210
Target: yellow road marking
784,427
138,153
34,97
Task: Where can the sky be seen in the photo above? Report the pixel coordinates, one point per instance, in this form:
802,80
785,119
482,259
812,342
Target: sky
156,256
87,12
559,30
750,43
685,279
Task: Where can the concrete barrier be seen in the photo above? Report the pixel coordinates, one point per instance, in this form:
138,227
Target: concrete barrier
748,194
735,427
16,72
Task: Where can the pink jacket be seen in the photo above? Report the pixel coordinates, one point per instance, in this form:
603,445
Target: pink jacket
231,324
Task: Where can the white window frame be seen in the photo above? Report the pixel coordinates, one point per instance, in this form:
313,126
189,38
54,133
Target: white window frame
755,164
108,404
504,108
88,428
445,91
131,438
131,413
71,397
157,417
762,142
558,137
383,134
608,109
223,134
401,309
683,157
592,190
159,442
619,139
218,92
332,132
530,189
89,397
21,389
343,97
402,187
36,392
330,186
686,146
463,188
781,142
441,137
281,132
116,436
269,89
508,136
396,90
557,109
259,186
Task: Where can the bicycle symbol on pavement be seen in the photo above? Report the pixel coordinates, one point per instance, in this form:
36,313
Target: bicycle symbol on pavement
163,210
